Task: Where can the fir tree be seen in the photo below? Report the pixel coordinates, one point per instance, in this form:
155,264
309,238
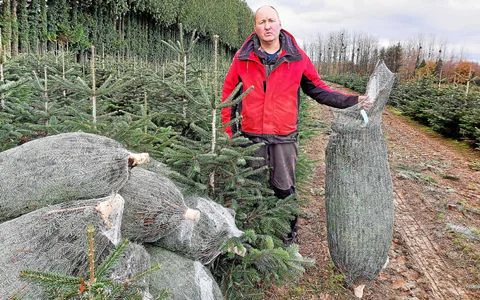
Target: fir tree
203,149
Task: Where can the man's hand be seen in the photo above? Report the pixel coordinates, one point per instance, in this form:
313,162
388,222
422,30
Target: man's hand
365,102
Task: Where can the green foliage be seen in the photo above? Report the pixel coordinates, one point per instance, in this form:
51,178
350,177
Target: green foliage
446,109
469,122
392,56
95,285
221,168
129,28
33,21
23,26
6,25
352,81
31,111
142,106
264,263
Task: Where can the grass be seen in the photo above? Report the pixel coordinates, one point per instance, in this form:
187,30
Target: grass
474,165
414,174
335,281
441,216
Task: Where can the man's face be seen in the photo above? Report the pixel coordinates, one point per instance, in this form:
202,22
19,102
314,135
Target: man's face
267,24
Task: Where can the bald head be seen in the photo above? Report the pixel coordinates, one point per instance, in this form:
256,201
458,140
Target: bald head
264,9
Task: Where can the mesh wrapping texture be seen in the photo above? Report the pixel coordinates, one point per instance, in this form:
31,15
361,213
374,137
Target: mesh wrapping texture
154,206
60,168
135,259
185,279
358,187
202,240
54,239
158,167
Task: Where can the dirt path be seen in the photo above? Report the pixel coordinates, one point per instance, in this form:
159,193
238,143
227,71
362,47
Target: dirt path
435,252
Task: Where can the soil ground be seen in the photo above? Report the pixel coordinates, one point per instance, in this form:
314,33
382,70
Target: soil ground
435,252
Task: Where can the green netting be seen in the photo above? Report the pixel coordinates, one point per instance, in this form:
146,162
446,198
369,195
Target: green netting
184,279
59,168
154,206
54,239
359,193
202,240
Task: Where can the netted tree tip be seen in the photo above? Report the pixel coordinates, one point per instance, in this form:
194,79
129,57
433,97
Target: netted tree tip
202,240
358,291
135,159
192,214
113,204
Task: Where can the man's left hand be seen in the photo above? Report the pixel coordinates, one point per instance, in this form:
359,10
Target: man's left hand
365,102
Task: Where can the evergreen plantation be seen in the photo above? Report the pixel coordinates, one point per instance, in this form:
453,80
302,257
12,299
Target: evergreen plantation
124,28
154,89
148,74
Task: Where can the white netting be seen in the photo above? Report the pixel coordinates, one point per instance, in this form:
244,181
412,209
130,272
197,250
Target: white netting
60,168
54,239
185,279
359,193
44,217
157,167
202,240
134,260
154,206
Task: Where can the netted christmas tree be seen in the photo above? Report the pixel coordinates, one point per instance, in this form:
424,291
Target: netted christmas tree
181,277
51,243
154,207
202,239
358,187
61,168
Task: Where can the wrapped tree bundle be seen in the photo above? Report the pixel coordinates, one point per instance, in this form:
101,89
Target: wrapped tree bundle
154,206
202,240
158,167
59,168
183,278
359,193
54,239
134,260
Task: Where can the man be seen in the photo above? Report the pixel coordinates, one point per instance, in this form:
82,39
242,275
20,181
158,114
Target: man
271,61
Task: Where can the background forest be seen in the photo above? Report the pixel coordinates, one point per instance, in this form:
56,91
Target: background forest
435,86
148,74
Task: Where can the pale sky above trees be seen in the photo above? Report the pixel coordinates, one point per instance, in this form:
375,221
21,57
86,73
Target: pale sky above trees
455,23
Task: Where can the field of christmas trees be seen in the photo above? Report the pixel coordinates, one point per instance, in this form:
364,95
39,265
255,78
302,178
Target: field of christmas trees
166,104
148,75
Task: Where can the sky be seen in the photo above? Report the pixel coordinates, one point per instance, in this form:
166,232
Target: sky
455,23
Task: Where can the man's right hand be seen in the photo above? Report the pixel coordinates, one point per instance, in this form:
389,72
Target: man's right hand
365,102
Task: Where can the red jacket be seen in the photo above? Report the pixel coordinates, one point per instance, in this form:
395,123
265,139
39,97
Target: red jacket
271,108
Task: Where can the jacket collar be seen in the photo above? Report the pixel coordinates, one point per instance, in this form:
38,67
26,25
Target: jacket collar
251,47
